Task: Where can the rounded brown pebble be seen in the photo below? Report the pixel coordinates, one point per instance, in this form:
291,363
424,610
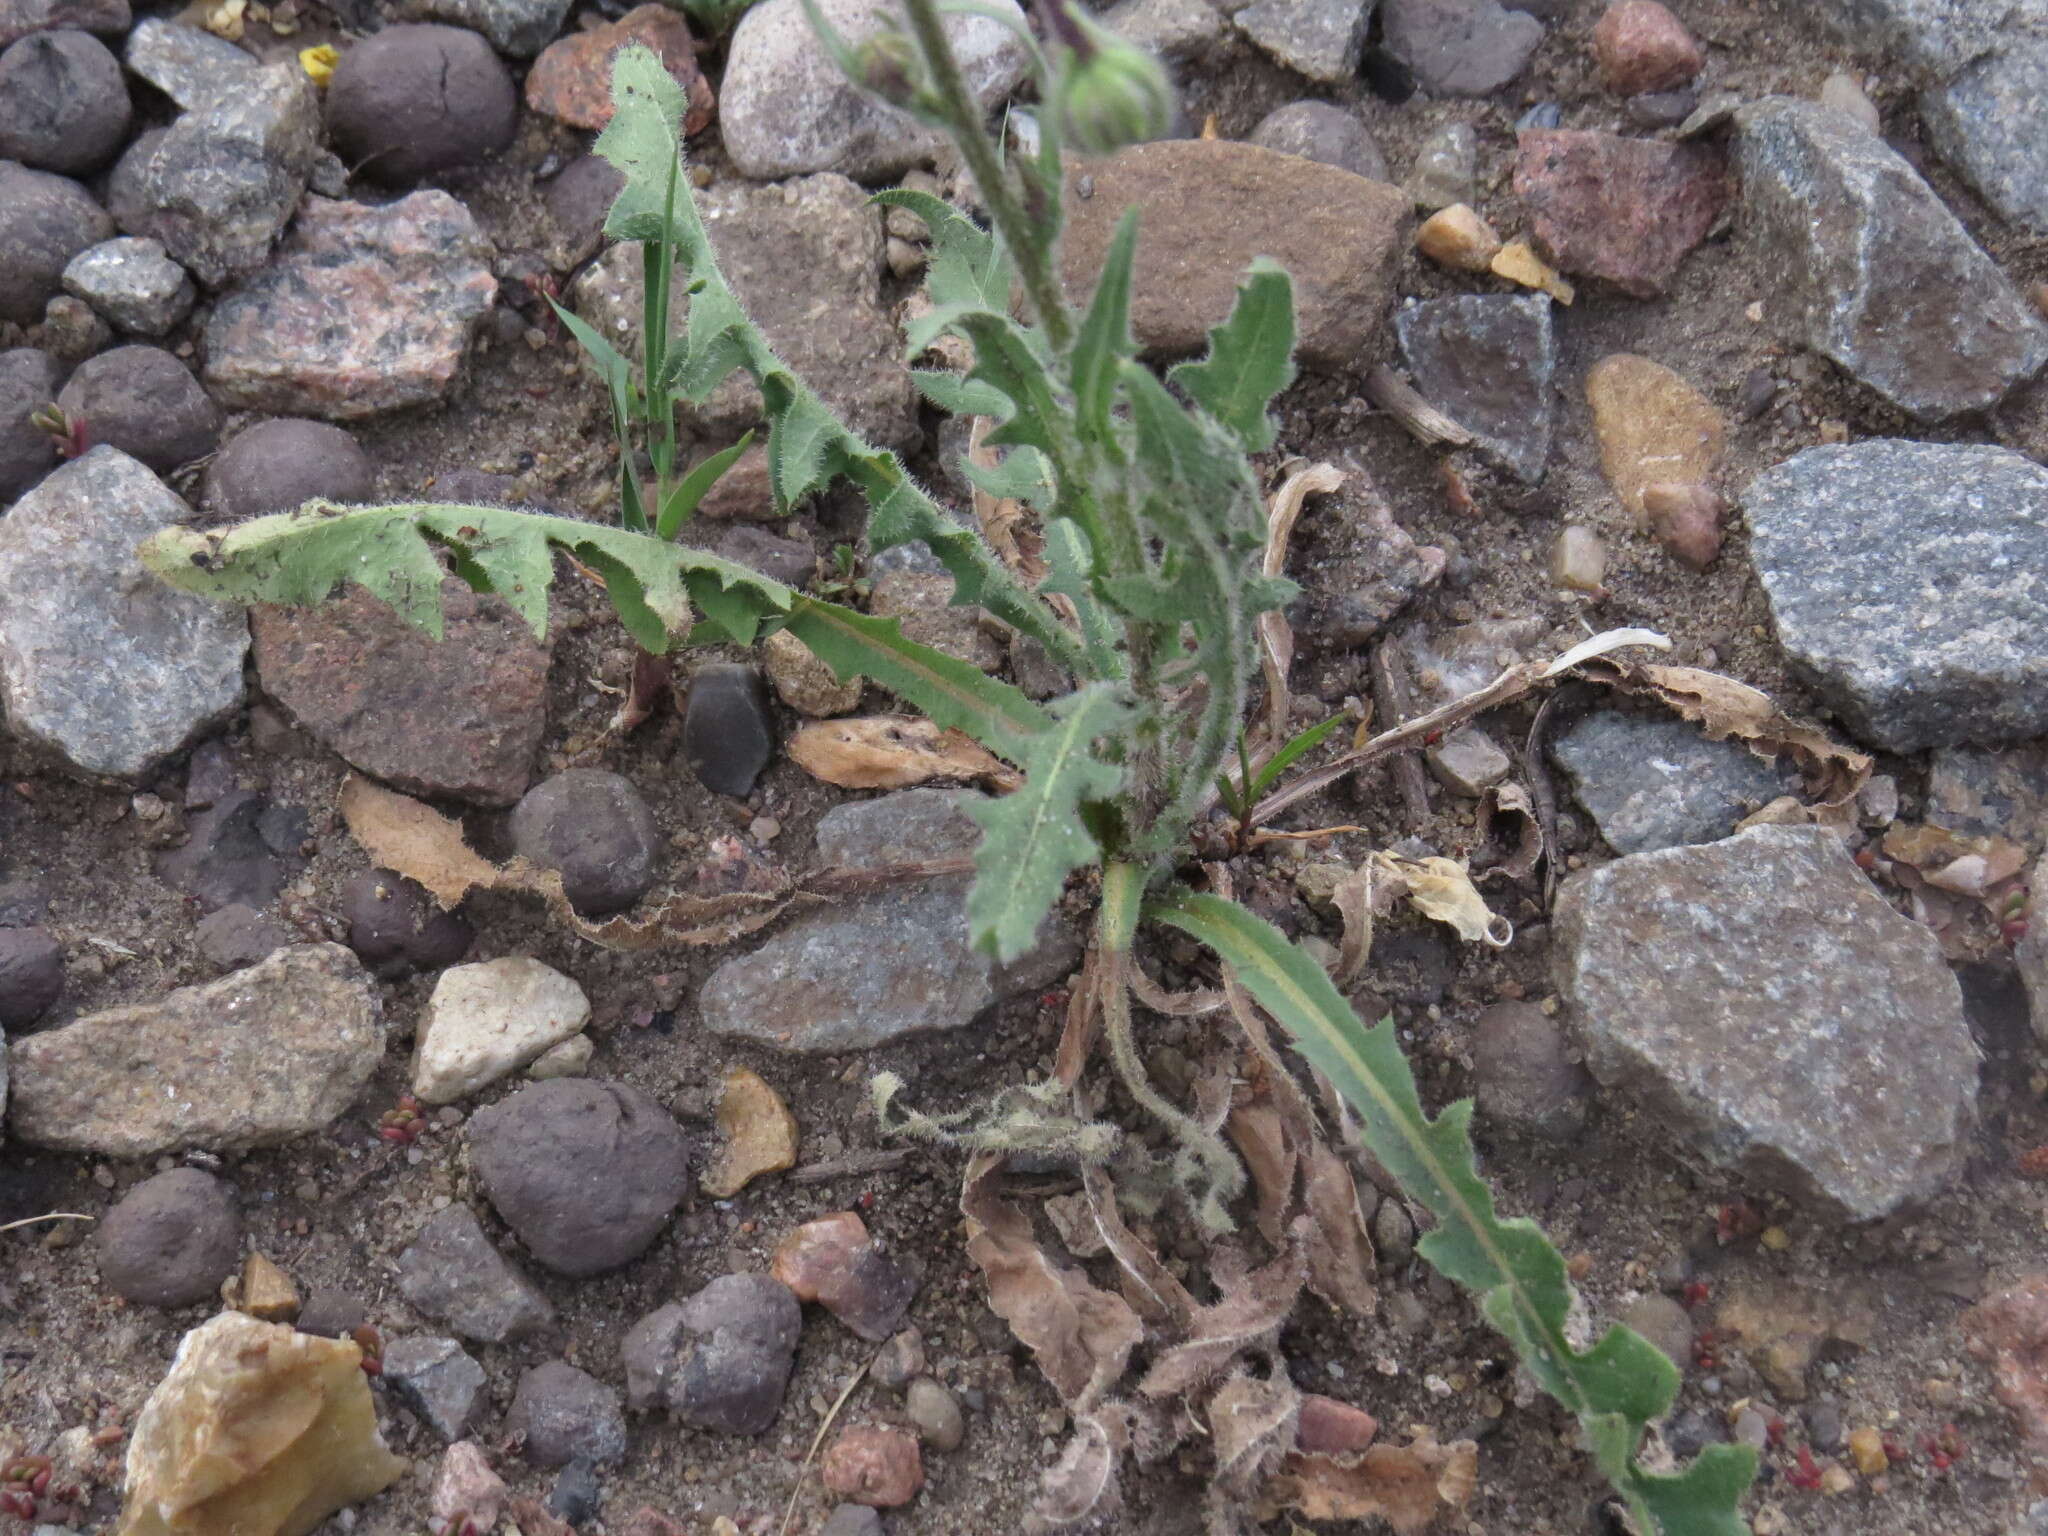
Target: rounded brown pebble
277,466
63,103
171,1240
31,975
396,927
596,831
873,1465
1686,520
144,402
1640,46
416,100
45,220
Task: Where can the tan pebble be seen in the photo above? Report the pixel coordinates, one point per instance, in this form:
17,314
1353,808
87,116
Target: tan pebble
1777,1239
1518,262
266,1291
1653,426
1866,1449
760,1134
1686,520
1458,237
1578,560
804,682
905,260
873,1465
1836,1479
1842,93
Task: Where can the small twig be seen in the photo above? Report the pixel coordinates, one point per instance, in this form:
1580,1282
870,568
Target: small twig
853,1165
1394,703
30,1221
831,1415
1422,421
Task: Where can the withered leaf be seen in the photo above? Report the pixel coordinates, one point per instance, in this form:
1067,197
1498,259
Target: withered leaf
894,752
1081,1485
1340,1253
1276,638
1250,1312
1440,888
1252,1426
1256,1129
1148,1283
1409,1486
406,835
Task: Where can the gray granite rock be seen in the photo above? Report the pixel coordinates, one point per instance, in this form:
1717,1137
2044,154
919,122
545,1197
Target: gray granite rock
1371,567
1177,30
1763,1004
1909,584
28,379
133,283
1460,47
1990,122
456,1276
518,29
1528,1080
263,1055
1991,791
1316,130
719,1360
1657,783
45,220
2031,952
1932,38
188,64
785,109
882,966
1879,275
436,1378
805,258
566,1415
225,179
1321,39
100,663
1487,362
18,18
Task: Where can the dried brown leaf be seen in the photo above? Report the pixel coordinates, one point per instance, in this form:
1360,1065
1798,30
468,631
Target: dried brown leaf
1276,639
1253,1306
1353,898
894,752
1258,1131
1440,888
1081,1335
1252,1427
1081,1486
403,834
1148,1283
1410,1487
1510,799
1340,1252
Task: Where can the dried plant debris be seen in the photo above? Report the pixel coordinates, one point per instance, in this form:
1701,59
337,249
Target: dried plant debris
895,752
1410,1487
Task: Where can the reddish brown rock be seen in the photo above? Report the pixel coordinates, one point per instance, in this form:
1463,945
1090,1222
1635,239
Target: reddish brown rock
834,1262
2010,1332
572,79
1206,208
1625,210
460,717
874,1465
1640,46
1330,1428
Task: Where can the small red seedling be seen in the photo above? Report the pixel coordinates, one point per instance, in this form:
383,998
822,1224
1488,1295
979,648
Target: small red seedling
62,428
1695,1294
1705,1355
1774,1432
1736,1220
371,1343
1806,1474
405,1124
1895,1451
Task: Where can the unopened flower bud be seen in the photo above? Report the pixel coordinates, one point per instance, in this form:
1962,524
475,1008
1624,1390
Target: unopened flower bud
1111,93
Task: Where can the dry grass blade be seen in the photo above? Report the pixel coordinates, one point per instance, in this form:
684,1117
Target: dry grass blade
1276,639
1421,420
33,1221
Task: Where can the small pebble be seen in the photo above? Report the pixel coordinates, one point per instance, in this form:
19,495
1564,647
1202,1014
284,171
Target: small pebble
575,1496
874,1465
1545,114
278,465
1686,519
412,101
397,927
1446,168
1458,237
1751,1429
145,402
727,734
936,1413
1842,92
566,1415
1393,1233
900,1361
596,830
31,975
1640,46
1578,560
171,1240
1866,1449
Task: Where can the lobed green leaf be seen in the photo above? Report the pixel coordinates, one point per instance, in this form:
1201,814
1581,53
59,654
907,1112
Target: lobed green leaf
1251,358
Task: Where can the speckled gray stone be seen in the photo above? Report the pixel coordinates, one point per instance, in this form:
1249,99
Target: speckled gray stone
455,1275
881,966
1177,30
1487,362
1321,39
133,283
1990,122
1317,130
1878,274
2032,951
1460,47
719,1360
1908,583
1997,791
101,664
437,1379
1766,1008
1650,783
188,64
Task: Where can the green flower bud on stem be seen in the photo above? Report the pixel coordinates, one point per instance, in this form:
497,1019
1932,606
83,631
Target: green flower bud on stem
1109,93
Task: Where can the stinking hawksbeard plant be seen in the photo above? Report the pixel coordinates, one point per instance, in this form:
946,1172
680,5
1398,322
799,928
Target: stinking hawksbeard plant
1128,539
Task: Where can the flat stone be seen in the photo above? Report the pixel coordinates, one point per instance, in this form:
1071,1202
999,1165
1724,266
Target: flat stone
1468,762
788,109
1991,792
572,81
728,734
32,977
238,935
242,848
436,1378
101,664
1321,39
1989,122
594,829
263,1055
18,18
1316,130
188,64
133,283
460,717
805,259
881,966
364,310
1765,1006
1207,208
1623,210
1658,783
922,602
227,176
1487,362
1460,47
1654,428
1908,582
456,1276
486,1021
518,29
1878,275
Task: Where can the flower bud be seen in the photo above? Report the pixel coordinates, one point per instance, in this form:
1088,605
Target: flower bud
1110,92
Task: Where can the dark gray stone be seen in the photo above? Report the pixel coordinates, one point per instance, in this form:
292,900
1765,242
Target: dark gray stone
1487,361
1321,39
1316,130
728,736
720,1360
100,662
126,186
132,283
1655,783
31,975
188,64
595,829
576,1493
397,927
1933,38
1528,1083
1904,581
454,1274
414,101
585,1172
18,18
789,561
438,1380
578,201
1878,274
1460,47
146,403
238,935
63,104
28,380
225,858
171,1240
1369,566
1768,1010
882,966
279,465
332,1313
566,1415
45,220
853,1520
1991,791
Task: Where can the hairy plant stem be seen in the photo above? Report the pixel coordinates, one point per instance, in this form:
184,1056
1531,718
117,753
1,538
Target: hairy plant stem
1028,245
